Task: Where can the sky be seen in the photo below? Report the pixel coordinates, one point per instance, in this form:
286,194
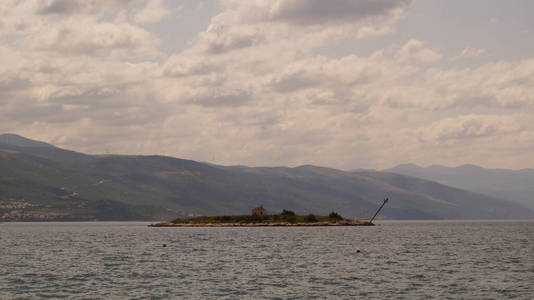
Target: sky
341,83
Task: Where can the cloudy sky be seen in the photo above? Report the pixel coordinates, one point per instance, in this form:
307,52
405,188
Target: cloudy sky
339,83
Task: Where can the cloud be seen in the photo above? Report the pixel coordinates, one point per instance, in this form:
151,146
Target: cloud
68,7
181,66
219,38
315,12
222,98
371,32
469,127
296,77
60,7
317,73
101,39
13,84
153,12
410,52
506,86
469,53
415,50
256,87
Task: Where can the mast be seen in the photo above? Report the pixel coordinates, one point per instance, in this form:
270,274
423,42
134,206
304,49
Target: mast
380,208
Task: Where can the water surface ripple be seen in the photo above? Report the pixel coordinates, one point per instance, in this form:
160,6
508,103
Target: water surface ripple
398,260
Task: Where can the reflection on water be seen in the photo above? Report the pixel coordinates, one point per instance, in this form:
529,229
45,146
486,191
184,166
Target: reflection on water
397,260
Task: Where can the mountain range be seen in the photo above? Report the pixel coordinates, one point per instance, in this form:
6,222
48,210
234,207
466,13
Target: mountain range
513,185
39,181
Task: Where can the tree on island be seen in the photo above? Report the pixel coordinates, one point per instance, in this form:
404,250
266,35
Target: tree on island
289,216
287,213
334,215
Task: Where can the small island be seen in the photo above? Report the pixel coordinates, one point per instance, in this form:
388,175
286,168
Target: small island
260,218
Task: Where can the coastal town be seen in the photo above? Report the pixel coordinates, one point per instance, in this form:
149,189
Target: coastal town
12,209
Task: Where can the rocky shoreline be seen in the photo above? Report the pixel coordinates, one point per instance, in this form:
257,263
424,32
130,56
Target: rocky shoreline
270,224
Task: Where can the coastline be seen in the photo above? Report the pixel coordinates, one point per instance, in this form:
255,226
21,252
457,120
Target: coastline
271,224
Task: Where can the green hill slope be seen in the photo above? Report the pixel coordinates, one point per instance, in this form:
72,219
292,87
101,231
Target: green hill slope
42,182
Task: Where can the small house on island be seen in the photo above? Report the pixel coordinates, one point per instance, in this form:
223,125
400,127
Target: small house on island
259,211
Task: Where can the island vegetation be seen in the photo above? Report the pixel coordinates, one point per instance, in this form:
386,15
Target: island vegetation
260,218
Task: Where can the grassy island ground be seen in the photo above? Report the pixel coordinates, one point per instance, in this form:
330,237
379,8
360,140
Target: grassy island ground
286,218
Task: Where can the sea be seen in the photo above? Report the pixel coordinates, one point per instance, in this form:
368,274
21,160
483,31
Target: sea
393,260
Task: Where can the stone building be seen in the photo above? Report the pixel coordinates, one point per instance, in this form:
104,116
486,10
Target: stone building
259,211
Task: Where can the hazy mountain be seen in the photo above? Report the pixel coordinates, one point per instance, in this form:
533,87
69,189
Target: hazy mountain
39,182
512,185
36,148
19,141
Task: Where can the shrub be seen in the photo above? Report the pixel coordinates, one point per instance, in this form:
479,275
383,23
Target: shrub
287,213
224,219
253,219
311,218
291,219
334,215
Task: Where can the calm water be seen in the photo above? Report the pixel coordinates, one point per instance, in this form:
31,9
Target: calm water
398,260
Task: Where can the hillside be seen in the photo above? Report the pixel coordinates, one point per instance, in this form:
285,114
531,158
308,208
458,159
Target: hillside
41,182
516,186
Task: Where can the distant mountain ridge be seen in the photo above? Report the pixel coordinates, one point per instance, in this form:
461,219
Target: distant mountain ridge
43,182
19,141
512,185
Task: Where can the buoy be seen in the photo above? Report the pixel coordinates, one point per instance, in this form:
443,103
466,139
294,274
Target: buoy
164,245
